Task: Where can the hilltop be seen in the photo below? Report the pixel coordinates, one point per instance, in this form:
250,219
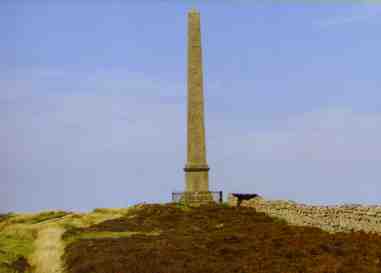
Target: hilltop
176,238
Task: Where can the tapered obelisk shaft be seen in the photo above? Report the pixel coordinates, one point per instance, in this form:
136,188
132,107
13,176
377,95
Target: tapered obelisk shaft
196,169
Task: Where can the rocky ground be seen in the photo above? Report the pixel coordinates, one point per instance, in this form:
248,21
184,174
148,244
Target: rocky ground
173,238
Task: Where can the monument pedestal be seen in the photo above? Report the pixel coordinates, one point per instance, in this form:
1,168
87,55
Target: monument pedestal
196,178
197,197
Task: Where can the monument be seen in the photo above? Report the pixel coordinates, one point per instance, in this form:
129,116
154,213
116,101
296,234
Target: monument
196,168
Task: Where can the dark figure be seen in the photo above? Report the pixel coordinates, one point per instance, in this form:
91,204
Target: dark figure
244,196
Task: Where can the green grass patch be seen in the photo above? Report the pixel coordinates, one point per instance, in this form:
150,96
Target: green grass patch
15,244
183,206
225,205
42,216
105,234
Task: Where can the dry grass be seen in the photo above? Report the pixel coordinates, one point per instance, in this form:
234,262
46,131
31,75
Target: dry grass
34,239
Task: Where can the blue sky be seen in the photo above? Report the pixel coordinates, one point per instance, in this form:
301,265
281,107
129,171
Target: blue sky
93,101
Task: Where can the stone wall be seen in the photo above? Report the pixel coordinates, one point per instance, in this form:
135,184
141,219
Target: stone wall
330,218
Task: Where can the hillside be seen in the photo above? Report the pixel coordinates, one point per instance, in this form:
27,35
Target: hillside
173,238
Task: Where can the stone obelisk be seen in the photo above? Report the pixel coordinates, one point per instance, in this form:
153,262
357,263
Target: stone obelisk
196,168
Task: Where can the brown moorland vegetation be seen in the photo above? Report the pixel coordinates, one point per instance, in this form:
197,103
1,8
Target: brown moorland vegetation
221,239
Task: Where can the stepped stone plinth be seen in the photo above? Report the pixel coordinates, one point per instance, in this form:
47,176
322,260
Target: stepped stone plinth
197,198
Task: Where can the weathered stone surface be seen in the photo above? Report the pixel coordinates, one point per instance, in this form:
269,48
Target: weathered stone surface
196,169
346,217
197,198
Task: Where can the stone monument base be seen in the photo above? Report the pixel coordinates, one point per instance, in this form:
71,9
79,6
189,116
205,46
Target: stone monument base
197,197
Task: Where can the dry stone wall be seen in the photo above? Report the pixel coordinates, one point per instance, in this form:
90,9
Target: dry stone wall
344,218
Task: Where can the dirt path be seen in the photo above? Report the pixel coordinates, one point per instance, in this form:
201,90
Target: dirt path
49,247
48,250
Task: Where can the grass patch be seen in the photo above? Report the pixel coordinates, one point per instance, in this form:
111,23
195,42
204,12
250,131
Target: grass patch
77,220
106,235
15,245
41,217
183,206
20,265
6,216
112,210
225,205
30,218
18,232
